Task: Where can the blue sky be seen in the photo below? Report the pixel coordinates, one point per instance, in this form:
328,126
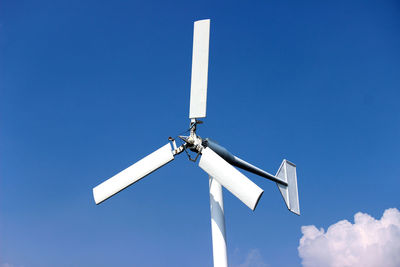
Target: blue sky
88,88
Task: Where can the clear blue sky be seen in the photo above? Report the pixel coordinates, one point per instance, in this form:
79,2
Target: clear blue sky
89,87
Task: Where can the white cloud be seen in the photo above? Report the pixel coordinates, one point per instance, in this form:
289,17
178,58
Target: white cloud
368,242
6,264
253,259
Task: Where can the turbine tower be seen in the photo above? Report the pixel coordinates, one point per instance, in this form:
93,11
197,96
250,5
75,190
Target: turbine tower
215,160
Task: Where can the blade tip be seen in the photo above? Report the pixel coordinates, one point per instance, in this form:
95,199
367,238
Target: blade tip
258,199
202,20
96,197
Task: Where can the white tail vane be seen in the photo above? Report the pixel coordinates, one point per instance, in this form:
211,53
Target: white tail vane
215,160
198,90
287,172
133,173
230,178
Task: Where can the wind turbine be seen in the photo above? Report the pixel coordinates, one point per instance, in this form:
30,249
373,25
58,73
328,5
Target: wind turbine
215,160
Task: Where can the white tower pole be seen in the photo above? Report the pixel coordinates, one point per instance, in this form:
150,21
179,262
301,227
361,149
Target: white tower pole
218,224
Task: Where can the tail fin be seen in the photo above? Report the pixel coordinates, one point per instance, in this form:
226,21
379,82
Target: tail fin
287,172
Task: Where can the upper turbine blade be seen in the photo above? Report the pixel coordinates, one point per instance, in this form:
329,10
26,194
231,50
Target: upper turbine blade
238,184
198,89
133,173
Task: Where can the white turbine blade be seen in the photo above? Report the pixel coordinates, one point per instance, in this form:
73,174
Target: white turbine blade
133,173
238,184
198,89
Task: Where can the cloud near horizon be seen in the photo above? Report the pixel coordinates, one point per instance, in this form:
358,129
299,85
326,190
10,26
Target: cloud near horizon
253,258
368,242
